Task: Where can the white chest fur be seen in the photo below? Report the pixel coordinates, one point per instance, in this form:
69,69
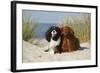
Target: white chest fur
52,45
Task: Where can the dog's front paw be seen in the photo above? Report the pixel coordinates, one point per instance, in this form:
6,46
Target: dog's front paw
46,50
51,52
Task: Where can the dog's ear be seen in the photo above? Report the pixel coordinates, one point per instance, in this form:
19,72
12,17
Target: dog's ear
71,31
48,35
61,29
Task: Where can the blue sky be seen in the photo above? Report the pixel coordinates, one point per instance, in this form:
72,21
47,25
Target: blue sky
48,16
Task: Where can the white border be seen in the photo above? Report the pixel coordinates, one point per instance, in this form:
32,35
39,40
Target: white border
21,65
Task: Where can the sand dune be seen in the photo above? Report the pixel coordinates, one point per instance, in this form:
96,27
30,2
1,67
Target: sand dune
35,52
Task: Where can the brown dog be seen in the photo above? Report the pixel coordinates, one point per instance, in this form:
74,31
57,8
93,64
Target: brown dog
69,42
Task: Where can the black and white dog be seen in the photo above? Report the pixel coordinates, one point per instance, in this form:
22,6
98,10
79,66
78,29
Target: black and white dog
53,37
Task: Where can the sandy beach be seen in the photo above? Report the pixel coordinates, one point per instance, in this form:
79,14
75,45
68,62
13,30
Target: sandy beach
34,52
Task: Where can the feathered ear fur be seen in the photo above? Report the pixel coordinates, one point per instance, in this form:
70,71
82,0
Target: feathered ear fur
48,35
71,31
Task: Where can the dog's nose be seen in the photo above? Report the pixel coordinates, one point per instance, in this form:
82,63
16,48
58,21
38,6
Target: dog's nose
53,31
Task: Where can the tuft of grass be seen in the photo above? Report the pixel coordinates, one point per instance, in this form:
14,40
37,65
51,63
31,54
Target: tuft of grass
28,28
81,26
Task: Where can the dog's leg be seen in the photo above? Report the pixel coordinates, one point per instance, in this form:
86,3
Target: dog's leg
69,46
51,51
47,49
58,49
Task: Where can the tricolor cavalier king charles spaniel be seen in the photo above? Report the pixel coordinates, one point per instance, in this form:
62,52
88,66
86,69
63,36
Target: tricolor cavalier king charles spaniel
53,36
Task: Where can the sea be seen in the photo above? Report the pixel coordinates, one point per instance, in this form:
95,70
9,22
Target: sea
41,29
